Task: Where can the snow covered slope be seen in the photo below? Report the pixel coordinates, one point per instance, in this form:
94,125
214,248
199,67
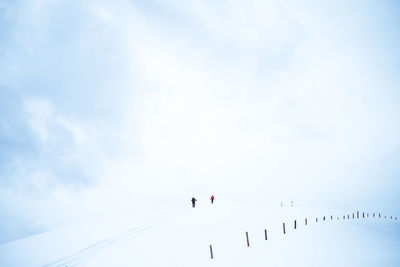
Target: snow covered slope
182,237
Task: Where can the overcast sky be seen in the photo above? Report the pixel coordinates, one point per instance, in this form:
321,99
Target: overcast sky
107,107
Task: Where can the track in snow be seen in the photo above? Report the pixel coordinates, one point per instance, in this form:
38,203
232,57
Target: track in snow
81,255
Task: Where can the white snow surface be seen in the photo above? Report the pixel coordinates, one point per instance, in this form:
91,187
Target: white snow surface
182,237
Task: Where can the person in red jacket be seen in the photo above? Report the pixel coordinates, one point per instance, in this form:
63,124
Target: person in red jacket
212,199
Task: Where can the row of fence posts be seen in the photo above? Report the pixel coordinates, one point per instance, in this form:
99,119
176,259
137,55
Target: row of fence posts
305,223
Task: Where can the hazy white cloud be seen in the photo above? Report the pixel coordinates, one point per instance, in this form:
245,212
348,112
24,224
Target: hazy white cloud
47,125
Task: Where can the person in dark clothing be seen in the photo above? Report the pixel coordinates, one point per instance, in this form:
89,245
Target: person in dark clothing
193,202
212,199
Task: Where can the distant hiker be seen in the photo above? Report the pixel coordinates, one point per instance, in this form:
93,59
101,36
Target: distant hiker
193,202
212,199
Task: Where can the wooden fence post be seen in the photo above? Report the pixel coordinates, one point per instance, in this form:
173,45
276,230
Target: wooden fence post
305,221
358,214
247,237
294,224
212,256
284,230
265,232
316,219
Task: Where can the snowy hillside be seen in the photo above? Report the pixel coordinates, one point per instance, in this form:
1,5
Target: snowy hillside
182,237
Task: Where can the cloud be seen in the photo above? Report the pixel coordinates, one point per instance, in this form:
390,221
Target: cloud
47,125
